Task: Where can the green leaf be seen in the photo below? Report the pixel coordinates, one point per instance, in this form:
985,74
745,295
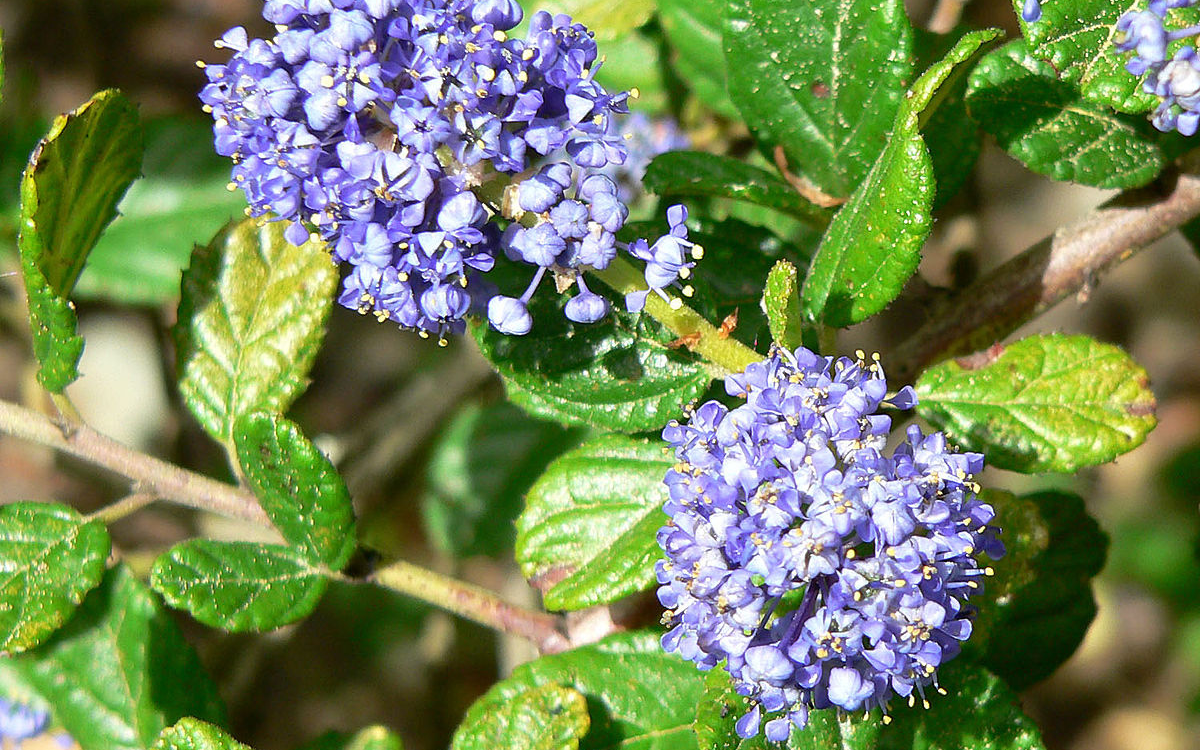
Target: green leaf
1077,39
1036,609
238,586
547,717
369,738
822,80
874,243
720,707
781,299
638,696
250,322
692,173
182,201
50,557
298,487
69,194
606,19
120,671
979,711
693,27
193,734
479,472
617,374
1045,403
1048,126
587,535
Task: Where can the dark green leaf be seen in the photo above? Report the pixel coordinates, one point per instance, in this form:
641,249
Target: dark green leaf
547,717
193,734
298,487
238,586
182,201
1076,37
1035,610
606,19
120,671
69,194
874,243
821,80
1048,126
638,696
978,711
480,470
693,28
250,322
720,707
50,557
781,298
688,173
617,374
587,535
1045,403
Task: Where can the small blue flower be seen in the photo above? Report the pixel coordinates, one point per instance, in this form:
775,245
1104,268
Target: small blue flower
1032,11
21,722
793,497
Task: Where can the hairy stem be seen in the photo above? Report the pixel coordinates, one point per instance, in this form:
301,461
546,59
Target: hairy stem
1065,264
473,603
125,506
153,476
698,334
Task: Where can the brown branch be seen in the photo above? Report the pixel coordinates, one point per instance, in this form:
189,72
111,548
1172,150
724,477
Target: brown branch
152,476
1065,264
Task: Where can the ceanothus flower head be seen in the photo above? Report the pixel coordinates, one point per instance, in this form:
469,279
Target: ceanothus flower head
371,123
823,569
1175,79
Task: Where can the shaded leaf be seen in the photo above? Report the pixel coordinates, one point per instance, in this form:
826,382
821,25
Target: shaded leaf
182,200
250,322
638,696
587,535
617,374
193,734
690,173
50,557
822,80
1044,403
547,717
238,586
693,27
120,671
298,487
1048,126
69,194
479,472
1036,609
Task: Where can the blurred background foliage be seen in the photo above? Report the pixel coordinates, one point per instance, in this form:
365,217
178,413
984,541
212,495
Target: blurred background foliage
438,464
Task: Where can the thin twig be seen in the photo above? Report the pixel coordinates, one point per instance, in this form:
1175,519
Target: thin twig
127,505
473,603
1067,263
152,475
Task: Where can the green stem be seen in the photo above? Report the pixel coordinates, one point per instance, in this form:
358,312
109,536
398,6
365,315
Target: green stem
701,336
127,505
472,602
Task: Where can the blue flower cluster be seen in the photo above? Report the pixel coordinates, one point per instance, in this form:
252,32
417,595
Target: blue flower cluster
821,569
375,125
1176,81
645,138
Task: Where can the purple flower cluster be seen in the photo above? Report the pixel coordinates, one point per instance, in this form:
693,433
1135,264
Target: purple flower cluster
821,569
1176,81
645,139
375,125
